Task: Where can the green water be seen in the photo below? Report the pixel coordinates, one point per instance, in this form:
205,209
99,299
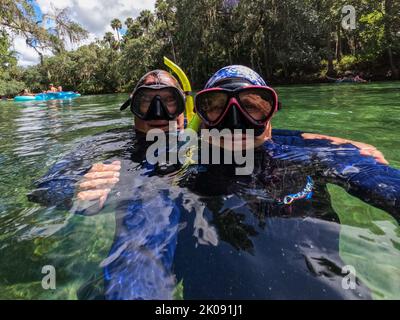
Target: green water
33,136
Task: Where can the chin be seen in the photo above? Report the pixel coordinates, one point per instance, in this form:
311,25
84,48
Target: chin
159,125
236,145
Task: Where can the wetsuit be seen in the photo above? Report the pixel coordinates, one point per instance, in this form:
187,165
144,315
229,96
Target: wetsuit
222,235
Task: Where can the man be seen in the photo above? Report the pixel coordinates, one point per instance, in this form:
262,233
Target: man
156,102
153,94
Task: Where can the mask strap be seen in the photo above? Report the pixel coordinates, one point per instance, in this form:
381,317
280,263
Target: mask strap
126,104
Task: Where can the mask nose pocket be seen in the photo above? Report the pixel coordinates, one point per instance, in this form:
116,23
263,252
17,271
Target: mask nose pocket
158,110
234,118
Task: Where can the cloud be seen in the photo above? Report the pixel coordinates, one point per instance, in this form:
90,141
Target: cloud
26,55
94,16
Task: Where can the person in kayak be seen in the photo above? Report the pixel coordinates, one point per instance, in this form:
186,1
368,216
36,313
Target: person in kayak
349,77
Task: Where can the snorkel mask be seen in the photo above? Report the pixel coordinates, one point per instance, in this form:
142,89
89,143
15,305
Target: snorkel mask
236,97
155,101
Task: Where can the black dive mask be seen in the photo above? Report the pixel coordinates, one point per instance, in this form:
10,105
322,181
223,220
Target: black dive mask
156,102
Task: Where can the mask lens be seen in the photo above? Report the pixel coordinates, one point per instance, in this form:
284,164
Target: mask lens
211,105
142,101
258,103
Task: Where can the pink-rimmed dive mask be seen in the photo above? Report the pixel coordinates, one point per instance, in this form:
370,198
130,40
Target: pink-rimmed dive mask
256,103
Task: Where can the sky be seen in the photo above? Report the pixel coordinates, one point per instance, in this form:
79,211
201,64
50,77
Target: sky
94,15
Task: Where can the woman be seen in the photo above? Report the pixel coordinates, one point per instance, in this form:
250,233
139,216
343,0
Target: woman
271,234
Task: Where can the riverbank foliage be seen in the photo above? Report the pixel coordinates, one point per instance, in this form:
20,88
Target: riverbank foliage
289,41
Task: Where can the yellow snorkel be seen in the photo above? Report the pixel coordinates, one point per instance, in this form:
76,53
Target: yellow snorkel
193,119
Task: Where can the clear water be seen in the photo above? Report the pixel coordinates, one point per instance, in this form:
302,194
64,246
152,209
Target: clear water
33,136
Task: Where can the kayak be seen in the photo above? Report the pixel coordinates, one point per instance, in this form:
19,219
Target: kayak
48,96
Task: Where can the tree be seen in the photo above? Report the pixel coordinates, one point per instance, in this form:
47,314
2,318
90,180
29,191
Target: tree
285,41
116,25
18,17
64,29
165,11
7,56
391,24
146,19
134,31
9,83
109,38
129,22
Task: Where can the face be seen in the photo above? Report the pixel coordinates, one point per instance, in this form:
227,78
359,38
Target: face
168,99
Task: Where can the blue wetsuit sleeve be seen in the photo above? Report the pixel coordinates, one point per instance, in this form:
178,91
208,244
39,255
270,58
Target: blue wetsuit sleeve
294,138
57,186
139,265
363,177
287,137
286,133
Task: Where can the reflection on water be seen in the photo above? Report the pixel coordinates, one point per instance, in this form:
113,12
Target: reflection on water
33,136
